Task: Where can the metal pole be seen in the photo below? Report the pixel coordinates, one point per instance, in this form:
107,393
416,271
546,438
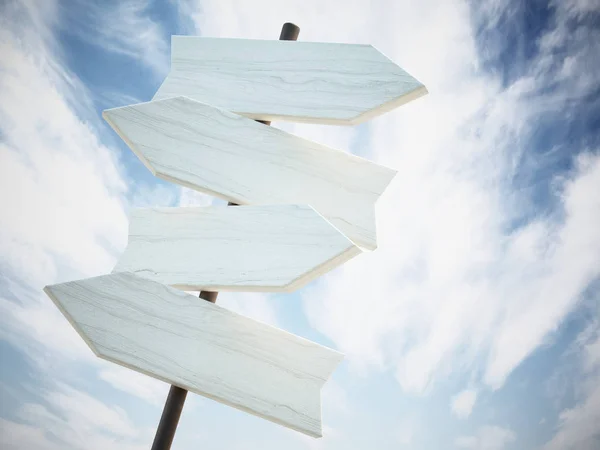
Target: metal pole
176,398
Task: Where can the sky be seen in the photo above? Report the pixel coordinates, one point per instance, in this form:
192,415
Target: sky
474,325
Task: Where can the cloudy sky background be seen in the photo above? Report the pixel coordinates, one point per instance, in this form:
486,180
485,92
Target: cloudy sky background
475,325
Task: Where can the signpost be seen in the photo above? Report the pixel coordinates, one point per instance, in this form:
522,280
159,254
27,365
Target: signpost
314,82
170,335
273,248
176,398
312,209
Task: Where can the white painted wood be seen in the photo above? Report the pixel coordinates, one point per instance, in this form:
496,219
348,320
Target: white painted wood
240,160
274,248
338,84
196,345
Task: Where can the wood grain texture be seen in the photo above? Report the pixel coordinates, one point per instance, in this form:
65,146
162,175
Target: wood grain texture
274,248
313,82
245,162
198,346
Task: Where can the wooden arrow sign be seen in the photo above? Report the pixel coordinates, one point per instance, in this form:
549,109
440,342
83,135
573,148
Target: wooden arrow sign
276,248
245,162
312,82
198,346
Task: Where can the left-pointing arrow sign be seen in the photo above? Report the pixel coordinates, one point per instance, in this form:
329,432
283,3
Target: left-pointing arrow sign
173,336
273,248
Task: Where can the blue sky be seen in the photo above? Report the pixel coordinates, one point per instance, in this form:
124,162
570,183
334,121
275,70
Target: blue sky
473,326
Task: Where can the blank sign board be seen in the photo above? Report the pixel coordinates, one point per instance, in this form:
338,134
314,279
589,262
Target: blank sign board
196,345
311,82
276,248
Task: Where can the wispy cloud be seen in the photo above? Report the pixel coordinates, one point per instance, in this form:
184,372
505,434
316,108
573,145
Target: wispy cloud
462,403
154,195
407,430
17,436
123,27
134,383
62,193
487,438
70,418
189,197
70,186
577,426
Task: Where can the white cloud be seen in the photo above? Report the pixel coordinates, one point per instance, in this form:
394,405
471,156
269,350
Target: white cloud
189,197
578,7
462,403
569,262
336,401
61,190
36,326
592,355
17,436
406,431
154,195
149,389
577,427
487,438
75,405
74,420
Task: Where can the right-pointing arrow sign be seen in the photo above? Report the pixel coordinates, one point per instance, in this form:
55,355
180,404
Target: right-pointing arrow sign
245,162
275,248
177,338
311,82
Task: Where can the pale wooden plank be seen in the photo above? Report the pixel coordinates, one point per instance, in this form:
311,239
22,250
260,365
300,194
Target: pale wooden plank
196,345
313,82
240,160
274,248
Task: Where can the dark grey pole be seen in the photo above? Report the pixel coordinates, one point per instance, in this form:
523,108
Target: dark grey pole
176,398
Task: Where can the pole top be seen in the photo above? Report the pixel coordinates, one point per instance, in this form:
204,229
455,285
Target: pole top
289,32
